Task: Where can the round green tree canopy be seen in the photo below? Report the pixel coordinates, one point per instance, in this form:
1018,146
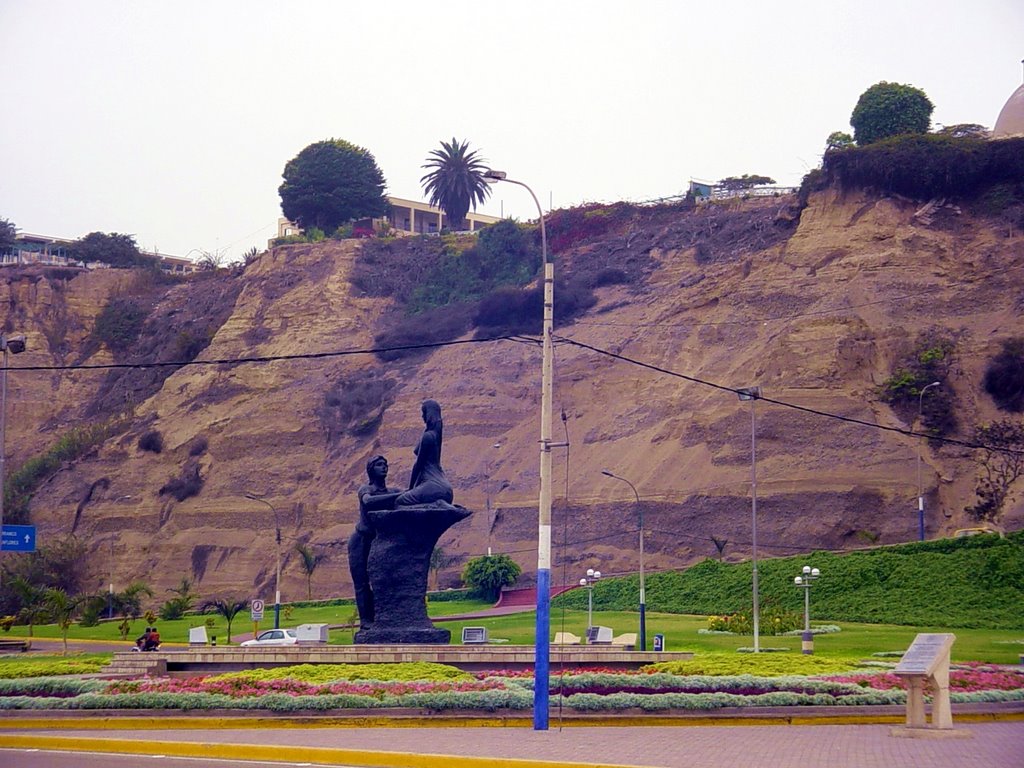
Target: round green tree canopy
890,109
330,183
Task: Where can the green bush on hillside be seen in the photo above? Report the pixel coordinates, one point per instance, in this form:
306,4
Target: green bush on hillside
928,165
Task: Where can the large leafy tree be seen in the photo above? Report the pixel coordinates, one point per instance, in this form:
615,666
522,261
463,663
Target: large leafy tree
456,180
330,183
746,181
112,248
487,574
890,109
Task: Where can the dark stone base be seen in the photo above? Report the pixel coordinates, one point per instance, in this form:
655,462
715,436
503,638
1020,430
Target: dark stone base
385,636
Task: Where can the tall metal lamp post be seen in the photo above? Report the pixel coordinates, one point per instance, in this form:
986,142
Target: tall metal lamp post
588,582
920,487
542,665
753,394
277,576
804,581
643,601
15,345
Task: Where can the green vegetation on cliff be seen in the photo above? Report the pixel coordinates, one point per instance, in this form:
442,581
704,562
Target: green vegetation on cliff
968,582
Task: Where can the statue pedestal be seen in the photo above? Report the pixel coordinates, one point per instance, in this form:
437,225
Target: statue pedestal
398,567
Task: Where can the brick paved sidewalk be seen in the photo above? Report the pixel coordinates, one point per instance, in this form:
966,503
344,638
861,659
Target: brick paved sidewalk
992,745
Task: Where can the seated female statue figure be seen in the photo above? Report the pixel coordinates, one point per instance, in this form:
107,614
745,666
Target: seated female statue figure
428,482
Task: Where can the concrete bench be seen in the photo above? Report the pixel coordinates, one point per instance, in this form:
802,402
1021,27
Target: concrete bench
13,645
627,641
567,638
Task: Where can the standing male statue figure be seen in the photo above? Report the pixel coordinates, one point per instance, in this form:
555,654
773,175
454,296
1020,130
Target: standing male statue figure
374,495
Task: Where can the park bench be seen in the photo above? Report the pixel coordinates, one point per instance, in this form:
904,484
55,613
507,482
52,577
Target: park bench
13,645
627,641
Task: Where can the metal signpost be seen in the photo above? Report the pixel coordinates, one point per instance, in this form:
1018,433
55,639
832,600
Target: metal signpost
256,609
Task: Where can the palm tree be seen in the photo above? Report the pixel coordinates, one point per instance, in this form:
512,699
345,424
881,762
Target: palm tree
309,563
228,609
33,608
62,608
456,180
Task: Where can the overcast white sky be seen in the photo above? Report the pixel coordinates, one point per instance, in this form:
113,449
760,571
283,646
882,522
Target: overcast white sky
173,121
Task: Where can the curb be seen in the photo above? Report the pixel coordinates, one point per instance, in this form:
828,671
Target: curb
285,754
134,721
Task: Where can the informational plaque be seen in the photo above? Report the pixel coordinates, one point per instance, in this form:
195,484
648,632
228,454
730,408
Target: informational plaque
926,660
925,654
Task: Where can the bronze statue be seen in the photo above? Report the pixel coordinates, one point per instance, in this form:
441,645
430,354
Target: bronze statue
428,482
373,495
389,552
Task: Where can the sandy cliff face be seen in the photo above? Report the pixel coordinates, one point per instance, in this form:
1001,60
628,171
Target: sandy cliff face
816,320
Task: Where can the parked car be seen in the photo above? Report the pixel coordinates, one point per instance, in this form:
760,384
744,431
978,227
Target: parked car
273,637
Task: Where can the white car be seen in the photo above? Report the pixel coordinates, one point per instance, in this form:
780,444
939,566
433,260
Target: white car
273,637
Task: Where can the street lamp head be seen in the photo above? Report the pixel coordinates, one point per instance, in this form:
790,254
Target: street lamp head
607,473
798,581
748,393
583,582
13,344
492,175
815,572
590,573
807,569
597,574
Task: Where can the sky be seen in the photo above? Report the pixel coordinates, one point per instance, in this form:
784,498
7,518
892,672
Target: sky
173,121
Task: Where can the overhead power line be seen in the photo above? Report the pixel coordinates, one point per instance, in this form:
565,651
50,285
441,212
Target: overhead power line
522,339
783,403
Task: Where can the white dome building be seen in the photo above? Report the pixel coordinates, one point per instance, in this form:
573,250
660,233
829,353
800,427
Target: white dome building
1010,122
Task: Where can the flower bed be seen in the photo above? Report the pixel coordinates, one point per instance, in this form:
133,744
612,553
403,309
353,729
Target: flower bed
595,690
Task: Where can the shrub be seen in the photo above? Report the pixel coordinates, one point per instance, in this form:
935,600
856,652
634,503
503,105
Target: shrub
151,441
486,575
423,330
929,359
119,323
1004,376
189,484
928,166
609,276
198,446
355,404
173,609
1002,462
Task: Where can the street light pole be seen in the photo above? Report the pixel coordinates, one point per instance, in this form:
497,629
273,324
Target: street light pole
643,600
542,650
588,582
277,576
804,581
15,345
753,394
920,487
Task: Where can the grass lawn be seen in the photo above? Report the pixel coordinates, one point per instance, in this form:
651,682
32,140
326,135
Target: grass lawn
855,640
177,631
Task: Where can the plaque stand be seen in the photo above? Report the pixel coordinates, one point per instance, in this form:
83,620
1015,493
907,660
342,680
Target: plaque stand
927,660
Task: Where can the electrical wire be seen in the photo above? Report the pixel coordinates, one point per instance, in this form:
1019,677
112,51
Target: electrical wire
783,403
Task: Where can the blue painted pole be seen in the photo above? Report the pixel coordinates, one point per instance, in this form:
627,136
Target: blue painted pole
542,666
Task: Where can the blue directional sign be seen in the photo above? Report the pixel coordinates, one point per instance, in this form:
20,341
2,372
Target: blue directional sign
18,538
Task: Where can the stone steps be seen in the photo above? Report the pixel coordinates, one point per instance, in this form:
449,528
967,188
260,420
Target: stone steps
135,665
